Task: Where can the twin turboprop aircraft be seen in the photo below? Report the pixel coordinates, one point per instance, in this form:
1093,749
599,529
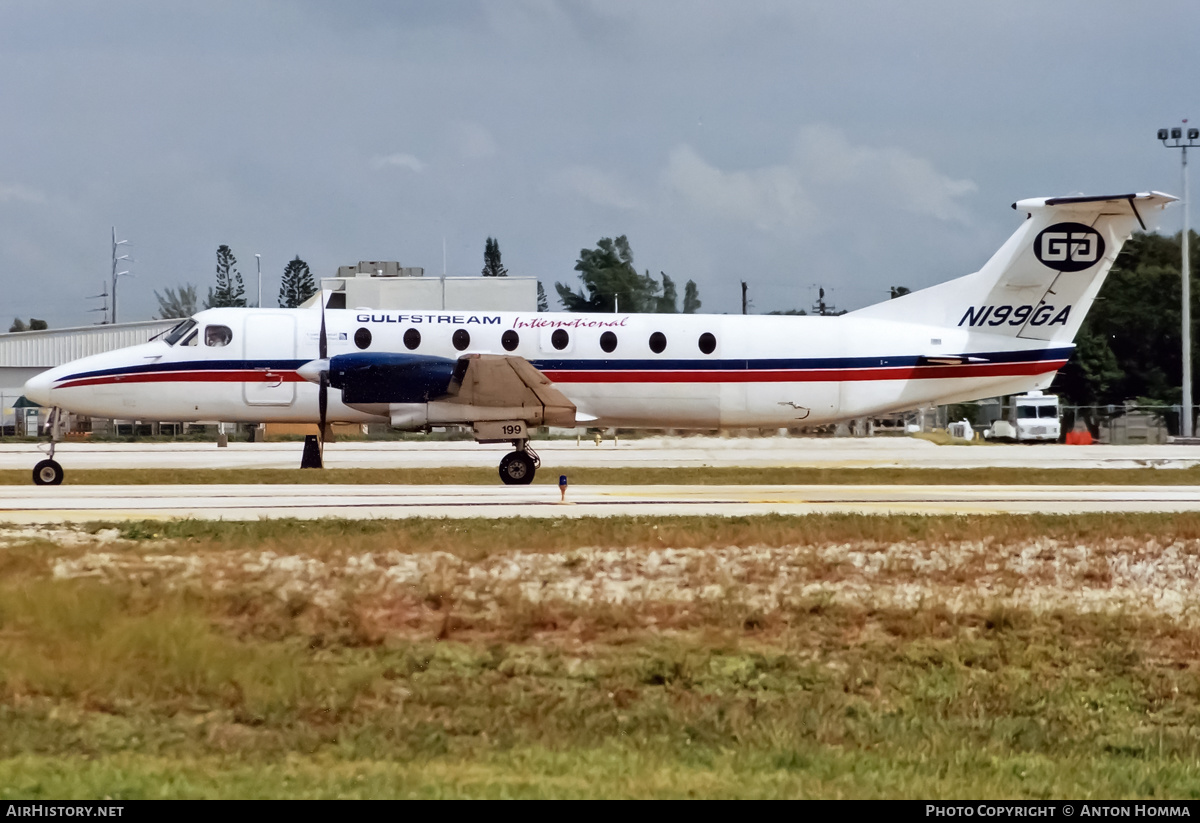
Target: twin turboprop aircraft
1005,329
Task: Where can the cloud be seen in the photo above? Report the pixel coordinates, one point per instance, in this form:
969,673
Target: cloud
893,175
825,180
597,187
769,198
16,193
404,161
474,142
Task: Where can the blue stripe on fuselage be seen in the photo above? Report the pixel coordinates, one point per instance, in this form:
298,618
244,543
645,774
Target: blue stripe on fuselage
603,364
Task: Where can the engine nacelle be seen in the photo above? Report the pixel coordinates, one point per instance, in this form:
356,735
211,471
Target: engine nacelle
409,416
394,378
416,416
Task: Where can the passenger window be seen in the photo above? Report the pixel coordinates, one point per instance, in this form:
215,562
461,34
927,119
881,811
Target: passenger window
708,343
461,339
412,339
362,338
560,339
193,339
608,342
217,336
658,342
510,340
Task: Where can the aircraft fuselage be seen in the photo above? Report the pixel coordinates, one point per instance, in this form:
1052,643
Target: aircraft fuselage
677,371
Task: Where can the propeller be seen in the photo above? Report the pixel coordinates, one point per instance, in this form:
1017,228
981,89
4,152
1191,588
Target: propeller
323,384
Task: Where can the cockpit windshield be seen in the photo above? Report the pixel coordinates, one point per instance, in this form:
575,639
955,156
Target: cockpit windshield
179,331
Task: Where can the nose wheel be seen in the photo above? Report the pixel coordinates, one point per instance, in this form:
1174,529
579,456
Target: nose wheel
518,467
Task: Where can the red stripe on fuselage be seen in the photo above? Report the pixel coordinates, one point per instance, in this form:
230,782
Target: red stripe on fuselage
808,375
203,376
616,376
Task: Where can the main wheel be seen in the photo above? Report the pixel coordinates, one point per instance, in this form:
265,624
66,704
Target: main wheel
47,473
517,469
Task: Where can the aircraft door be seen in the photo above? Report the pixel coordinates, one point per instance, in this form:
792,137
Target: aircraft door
270,347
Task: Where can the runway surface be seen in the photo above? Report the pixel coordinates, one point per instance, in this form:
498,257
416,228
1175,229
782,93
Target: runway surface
842,452
33,504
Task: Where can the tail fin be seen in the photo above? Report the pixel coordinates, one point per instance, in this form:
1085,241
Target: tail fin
1041,283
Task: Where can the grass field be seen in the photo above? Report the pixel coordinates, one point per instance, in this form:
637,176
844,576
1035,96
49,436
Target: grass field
824,656
637,475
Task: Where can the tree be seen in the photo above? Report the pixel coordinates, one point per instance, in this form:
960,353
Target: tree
176,304
1088,377
666,303
542,303
297,284
492,267
33,325
610,282
691,298
1129,346
899,291
230,290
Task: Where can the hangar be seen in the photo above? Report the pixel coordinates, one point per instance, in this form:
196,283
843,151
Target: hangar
27,353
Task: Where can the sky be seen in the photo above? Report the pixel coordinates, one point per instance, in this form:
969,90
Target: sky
794,145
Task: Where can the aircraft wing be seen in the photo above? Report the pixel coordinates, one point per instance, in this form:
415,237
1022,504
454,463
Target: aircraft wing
508,386
473,388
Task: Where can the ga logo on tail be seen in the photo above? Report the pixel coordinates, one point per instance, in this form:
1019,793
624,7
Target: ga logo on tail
1068,247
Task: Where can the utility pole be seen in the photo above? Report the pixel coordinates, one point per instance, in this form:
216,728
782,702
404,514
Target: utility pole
821,308
115,273
258,261
745,302
103,295
1176,135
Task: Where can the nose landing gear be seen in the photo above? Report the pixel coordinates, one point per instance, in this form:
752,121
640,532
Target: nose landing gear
48,472
518,467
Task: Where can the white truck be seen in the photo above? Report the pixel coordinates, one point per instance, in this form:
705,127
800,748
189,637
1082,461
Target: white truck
1029,418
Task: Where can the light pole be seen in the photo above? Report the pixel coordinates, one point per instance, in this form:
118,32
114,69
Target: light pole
1176,136
258,260
115,273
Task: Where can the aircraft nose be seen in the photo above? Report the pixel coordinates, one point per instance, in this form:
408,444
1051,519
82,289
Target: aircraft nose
37,388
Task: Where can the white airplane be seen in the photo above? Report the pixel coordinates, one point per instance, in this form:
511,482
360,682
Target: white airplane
1005,329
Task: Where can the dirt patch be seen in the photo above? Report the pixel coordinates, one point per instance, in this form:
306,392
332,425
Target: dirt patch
1040,575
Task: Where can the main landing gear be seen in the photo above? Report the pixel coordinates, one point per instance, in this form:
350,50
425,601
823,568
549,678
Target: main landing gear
48,473
518,467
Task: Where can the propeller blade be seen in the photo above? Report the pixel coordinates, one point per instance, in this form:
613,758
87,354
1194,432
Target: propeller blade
322,344
323,406
323,393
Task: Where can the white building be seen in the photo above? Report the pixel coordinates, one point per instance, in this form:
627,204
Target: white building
385,284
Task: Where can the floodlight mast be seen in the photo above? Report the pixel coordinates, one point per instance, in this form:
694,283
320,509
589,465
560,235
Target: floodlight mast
115,273
1179,141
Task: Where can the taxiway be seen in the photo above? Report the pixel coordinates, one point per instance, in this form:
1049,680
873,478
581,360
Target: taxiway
75,504
670,452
